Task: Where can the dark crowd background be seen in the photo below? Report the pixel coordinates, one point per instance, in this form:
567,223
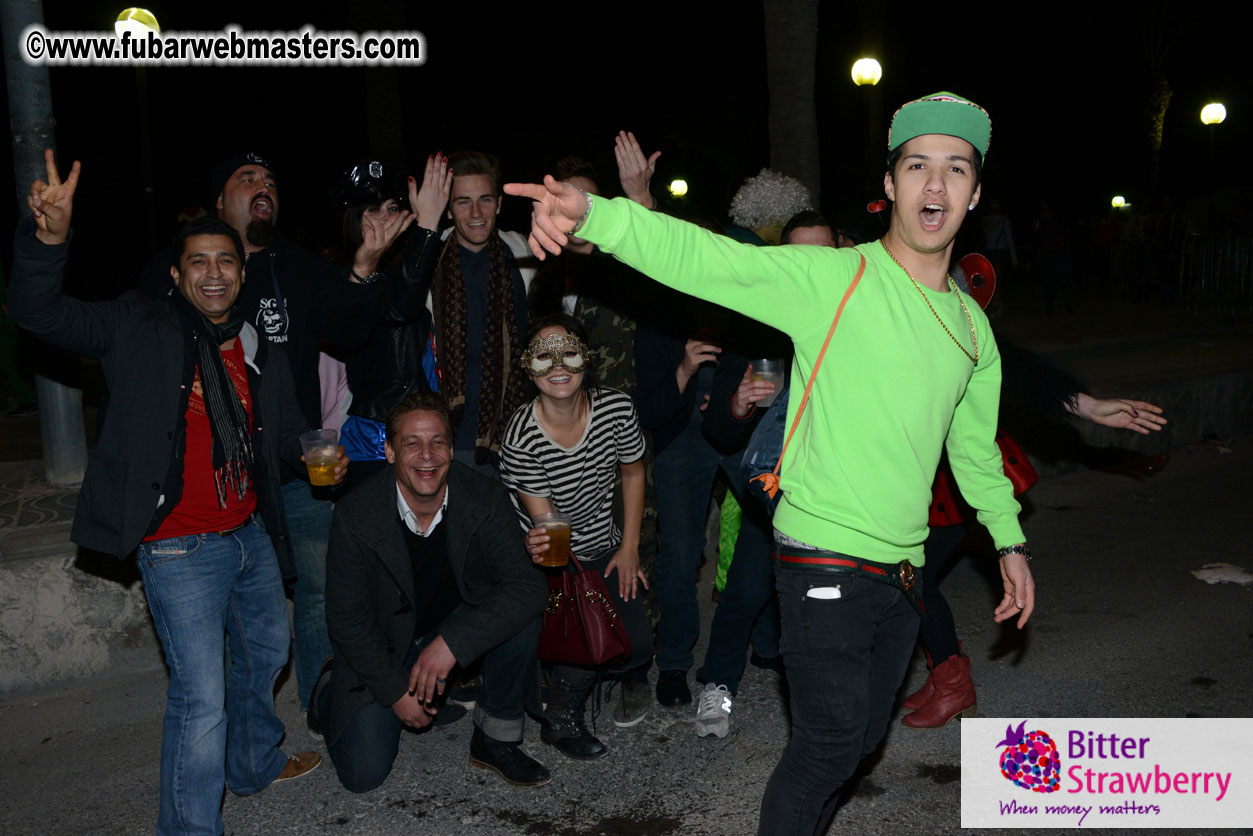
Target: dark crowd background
1067,85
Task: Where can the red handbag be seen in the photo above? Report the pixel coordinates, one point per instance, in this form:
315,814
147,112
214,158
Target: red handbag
581,624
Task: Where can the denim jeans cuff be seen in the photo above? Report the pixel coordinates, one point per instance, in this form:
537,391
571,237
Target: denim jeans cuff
499,728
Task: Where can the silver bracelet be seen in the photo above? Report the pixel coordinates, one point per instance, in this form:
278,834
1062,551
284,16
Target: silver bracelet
583,219
1019,549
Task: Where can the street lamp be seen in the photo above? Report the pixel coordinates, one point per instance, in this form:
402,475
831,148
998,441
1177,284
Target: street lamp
678,188
1213,113
1118,202
866,71
139,22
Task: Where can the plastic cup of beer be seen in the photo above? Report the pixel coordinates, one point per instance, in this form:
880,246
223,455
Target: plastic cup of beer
319,447
770,370
557,525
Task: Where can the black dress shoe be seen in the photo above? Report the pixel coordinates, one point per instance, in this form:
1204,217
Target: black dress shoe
672,688
507,760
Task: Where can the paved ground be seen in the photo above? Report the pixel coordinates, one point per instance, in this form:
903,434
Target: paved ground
1123,629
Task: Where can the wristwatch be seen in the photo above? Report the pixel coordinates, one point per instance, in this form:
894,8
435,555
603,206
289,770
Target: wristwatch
1021,549
586,212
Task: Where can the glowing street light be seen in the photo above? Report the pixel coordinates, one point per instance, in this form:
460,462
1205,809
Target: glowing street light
1118,202
678,188
867,71
139,22
1213,113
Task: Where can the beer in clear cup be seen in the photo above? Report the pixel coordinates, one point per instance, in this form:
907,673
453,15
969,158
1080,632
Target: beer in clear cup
319,448
770,370
557,525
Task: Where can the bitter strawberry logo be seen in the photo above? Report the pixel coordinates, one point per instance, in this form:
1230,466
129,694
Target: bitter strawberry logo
1030,759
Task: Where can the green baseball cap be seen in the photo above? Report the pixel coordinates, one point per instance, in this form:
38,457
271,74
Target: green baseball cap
941,113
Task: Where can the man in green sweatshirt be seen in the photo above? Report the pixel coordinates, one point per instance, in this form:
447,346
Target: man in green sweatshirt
912,370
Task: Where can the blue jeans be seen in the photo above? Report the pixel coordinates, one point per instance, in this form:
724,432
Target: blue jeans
363,754
845,658
685,471
220,727
309,527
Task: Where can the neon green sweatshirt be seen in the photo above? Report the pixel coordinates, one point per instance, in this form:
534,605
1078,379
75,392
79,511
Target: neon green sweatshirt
892,390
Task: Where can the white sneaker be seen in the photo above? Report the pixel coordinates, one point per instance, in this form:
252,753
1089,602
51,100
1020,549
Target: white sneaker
713,711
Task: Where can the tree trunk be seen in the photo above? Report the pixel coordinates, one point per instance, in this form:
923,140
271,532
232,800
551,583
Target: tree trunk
791,29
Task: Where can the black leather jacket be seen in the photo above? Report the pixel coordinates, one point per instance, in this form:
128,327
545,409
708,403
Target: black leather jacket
389,365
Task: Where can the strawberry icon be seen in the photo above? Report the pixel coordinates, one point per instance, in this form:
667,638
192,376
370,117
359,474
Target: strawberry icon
1030,759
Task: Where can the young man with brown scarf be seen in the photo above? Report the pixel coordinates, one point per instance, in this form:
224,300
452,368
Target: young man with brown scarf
479,305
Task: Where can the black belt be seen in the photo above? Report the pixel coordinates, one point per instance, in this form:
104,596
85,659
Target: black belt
901,575
227,531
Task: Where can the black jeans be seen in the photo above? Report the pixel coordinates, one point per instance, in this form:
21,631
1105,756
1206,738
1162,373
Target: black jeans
938,633
747,597
846,657
364,753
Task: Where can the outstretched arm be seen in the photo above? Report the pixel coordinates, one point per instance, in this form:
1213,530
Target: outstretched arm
1119,413
792,289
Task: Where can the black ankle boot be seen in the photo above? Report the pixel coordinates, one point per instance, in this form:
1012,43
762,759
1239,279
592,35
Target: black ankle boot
562,726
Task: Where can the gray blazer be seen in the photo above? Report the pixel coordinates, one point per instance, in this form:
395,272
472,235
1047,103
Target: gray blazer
369,586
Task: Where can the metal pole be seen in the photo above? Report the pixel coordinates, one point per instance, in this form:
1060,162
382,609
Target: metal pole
32,129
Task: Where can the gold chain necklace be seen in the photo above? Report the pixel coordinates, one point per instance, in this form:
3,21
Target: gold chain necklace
973,339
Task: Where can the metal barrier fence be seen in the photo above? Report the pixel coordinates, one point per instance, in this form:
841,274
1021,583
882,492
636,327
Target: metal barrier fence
1211,272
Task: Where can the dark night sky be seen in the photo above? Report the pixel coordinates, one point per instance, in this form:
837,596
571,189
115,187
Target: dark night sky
1062,87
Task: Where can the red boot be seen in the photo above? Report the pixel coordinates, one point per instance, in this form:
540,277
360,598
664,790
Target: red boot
954,695
923,695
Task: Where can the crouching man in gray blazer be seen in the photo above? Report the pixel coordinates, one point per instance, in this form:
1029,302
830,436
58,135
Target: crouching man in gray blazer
426,569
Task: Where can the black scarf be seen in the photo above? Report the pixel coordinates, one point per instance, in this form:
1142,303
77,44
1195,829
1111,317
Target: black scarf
228,420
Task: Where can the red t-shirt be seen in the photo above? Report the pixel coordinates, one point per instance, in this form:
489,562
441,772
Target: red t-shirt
197,510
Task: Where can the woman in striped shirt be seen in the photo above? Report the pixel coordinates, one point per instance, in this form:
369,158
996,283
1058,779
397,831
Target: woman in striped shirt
562,452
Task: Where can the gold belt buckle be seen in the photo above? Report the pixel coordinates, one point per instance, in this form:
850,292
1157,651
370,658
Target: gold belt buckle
907,575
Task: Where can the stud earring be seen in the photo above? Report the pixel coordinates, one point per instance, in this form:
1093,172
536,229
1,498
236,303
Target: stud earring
970,208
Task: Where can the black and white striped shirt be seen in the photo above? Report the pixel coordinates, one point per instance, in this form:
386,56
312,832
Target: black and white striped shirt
578,480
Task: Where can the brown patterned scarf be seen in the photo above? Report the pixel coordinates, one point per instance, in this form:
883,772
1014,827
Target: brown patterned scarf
502,388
